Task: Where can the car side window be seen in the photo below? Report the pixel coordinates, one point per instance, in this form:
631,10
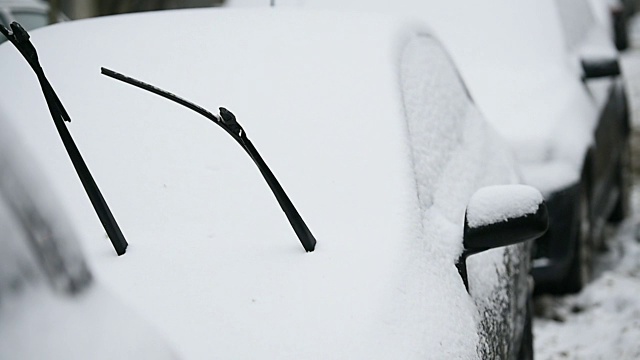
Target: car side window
436,105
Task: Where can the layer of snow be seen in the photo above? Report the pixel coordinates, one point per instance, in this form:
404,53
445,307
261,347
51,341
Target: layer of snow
537,175
37,324
493,204
603,321
41,319
449,162
518,67
247,3
212,260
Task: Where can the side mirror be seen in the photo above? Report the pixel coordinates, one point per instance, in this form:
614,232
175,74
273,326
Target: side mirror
600,67
499,216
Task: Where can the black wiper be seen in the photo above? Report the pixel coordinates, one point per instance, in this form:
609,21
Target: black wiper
20,38
227,121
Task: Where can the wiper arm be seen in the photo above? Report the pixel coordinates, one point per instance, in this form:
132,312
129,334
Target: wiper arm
227,121
20,39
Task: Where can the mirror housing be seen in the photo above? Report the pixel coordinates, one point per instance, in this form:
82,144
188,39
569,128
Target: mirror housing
499,216
503,215
599,67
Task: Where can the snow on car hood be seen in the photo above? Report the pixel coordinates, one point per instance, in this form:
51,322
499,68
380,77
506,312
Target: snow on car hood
212,260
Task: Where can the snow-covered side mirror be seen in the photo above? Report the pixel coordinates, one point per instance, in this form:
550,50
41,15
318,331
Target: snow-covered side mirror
503,215
499,216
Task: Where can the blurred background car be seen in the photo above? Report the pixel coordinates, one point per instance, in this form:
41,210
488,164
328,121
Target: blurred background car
606,169
371,131
615,14
50,305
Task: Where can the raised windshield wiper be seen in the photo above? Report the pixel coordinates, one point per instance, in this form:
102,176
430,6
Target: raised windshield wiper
20,39
227,121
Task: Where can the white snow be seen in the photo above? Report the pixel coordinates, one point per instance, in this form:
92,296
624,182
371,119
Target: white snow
213,262
493,204
603,321
537,175
40,319
36,324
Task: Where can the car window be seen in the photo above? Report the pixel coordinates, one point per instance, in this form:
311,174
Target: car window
5,22
30,19
436,104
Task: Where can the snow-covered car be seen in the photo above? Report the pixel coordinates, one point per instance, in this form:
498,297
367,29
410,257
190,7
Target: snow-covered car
605,176
543,72
614,15
31,14
50,305
366,124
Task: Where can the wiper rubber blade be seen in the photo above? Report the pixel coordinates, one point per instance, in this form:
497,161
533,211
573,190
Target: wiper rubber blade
20,39
227,121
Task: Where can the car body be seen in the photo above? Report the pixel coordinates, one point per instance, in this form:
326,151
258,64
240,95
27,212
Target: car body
380,157
524,65
50,304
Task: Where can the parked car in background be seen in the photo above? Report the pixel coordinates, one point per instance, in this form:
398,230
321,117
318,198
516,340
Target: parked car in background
544,74
606,169
50,305
614,14
32,14
370,130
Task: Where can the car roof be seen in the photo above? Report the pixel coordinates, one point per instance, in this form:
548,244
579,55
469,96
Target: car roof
212,259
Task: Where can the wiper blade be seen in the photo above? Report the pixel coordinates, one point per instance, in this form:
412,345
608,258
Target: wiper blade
227,121
20,39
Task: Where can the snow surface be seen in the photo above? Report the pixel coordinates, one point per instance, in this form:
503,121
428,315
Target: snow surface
603,321
38,324
40,318
520,71
493,204
337,115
